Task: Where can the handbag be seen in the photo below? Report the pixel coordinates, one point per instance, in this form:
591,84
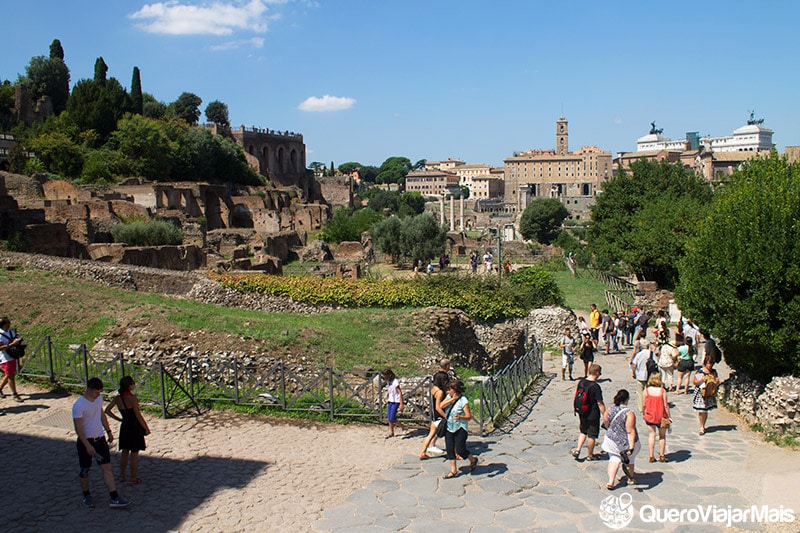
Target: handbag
441,429
665,423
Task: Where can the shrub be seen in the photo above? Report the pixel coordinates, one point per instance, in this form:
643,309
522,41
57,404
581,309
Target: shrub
153,233
536,287
482,297
740,277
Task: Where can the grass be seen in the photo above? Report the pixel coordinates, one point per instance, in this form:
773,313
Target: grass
77,311
580,291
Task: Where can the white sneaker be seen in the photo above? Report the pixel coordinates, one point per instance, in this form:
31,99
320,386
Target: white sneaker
435,451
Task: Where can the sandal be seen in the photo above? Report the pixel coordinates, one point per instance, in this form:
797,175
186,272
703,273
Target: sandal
450,475
136,481
663,459
575,453
121,479
702,431
593,457
424,456
473,462
610,486
652,459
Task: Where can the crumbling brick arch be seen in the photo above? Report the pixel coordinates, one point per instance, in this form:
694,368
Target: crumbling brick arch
293,160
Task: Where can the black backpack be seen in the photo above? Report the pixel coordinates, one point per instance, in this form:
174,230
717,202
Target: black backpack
651,364
581,400
17,351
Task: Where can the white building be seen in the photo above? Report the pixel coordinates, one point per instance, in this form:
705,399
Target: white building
752,137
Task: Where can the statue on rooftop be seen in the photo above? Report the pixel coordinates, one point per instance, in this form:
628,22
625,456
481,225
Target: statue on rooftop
753,121
654,130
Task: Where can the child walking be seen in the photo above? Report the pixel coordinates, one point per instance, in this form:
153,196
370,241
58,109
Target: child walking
394,400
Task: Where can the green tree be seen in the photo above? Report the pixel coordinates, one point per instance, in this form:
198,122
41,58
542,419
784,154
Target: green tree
349,167
380,200
59,154
393,170
151,233
213,158
348,225
187,107
410,204
105,166
152,108
421,237
100,70
645,217
97,106
542,219
137,101
56,50
386,237
48,76
368,173
217,112
145,143
740,277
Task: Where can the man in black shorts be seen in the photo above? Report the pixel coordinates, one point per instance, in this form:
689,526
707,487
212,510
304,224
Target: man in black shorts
590,421
90,421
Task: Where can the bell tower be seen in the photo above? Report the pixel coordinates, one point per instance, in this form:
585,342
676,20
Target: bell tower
562,136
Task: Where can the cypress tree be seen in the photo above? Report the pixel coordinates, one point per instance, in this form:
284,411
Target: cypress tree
137,102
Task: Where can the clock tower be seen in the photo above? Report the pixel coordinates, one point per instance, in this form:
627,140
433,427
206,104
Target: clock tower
562,136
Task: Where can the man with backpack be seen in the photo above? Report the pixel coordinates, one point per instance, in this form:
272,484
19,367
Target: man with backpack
644,363
588,405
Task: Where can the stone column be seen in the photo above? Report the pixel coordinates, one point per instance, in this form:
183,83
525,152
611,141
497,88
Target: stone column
452,214
461,212
441,210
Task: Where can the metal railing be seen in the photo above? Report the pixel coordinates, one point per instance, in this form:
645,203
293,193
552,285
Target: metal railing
185,384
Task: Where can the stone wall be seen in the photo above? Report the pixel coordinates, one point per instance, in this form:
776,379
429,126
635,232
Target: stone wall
775,406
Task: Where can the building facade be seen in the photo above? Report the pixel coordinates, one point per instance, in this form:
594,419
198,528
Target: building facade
574,177
431,182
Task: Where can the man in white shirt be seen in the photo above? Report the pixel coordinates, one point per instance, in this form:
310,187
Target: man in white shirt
639,371
90,421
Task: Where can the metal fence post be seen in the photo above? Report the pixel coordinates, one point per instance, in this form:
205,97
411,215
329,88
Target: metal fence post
163,391
236,380
85,353
330,388
122,364
50,368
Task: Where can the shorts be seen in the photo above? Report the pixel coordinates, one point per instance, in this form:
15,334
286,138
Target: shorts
567,360
391,411
685,365
102,455
595,333
590,427
9,367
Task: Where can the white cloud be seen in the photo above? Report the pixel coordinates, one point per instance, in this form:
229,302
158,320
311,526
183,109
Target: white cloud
215,18
255,42
326,103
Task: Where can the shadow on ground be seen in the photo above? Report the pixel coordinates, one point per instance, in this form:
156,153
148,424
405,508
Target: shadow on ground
47,497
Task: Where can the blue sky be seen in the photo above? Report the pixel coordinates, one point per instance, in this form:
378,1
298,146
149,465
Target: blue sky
364,80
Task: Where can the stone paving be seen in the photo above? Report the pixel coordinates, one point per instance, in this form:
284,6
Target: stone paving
528,481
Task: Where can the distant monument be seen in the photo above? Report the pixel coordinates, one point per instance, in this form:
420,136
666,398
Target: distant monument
752,121
654,130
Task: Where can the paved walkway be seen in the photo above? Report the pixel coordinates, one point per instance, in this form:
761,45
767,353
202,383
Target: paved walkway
528,481
227,472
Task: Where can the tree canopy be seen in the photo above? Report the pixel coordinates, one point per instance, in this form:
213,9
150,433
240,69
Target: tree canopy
644,217
393,170
217,112
542,219
412,238
740,277
187,107
48,76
